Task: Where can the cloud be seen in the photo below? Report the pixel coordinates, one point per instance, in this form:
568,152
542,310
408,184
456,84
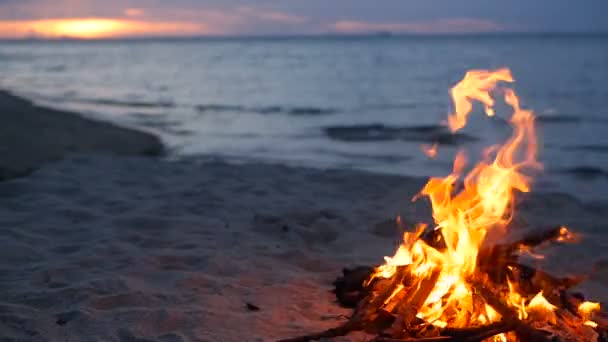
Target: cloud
455,25
96,28
317,16
240,20
268,15
134,12
43,21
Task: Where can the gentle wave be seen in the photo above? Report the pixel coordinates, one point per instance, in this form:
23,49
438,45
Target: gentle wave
160,123
568,119
215,108
586,172
387,158
588,148
130,104
558,119
70,97
380,132
56,68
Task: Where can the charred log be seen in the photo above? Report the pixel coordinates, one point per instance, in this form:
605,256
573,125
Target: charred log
532,281
527,333
341,330
349,288
486,330
535,239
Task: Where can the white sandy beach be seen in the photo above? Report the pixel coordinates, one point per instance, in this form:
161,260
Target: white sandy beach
101,248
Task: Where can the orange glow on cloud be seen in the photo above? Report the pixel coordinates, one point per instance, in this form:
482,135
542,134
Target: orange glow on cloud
134,12
97,28
280,17
461,25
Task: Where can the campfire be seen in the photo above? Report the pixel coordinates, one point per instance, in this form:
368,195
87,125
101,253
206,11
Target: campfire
457,280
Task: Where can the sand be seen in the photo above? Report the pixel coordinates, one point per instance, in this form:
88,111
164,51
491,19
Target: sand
31,136
125,248
136,249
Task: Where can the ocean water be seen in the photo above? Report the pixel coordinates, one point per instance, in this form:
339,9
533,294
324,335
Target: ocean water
339,102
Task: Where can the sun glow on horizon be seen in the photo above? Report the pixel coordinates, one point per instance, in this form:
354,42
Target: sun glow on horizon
96,28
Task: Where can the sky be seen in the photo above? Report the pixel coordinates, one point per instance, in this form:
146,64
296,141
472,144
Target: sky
93,19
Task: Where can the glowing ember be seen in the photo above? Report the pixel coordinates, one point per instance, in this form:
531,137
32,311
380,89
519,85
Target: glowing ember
430,150
586,310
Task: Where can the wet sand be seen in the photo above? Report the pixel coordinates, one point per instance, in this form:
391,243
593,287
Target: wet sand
31,136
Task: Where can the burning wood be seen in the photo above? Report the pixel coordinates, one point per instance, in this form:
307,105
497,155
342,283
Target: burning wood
452,282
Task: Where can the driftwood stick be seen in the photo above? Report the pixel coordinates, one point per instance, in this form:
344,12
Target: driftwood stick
495,302
463,335
529,334
423,339
341,330
369,311
532,281
417,300
535,239
523,331
492,329
508,252
385,293
501,329
409,306
351,287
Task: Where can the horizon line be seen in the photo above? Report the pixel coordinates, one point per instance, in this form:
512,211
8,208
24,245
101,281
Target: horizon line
379,34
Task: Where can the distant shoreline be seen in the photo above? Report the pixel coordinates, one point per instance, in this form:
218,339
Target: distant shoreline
322,36
31,136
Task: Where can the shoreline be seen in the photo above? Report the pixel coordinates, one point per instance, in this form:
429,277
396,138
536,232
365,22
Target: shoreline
32,135
581,181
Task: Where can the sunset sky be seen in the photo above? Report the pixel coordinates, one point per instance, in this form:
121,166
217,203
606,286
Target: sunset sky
137,18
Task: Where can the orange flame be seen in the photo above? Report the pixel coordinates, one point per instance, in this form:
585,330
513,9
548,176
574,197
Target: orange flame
430,150
476,85
586,311
542,308
465,217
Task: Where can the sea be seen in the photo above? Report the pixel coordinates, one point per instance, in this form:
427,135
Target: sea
348,102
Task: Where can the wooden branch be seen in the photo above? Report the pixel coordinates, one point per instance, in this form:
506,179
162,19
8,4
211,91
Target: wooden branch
532,281
495,302
375,303
486,330
504,326
464,334
434,238
409,306
535,239
531,240
341,330
350,288
423,339
529,334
